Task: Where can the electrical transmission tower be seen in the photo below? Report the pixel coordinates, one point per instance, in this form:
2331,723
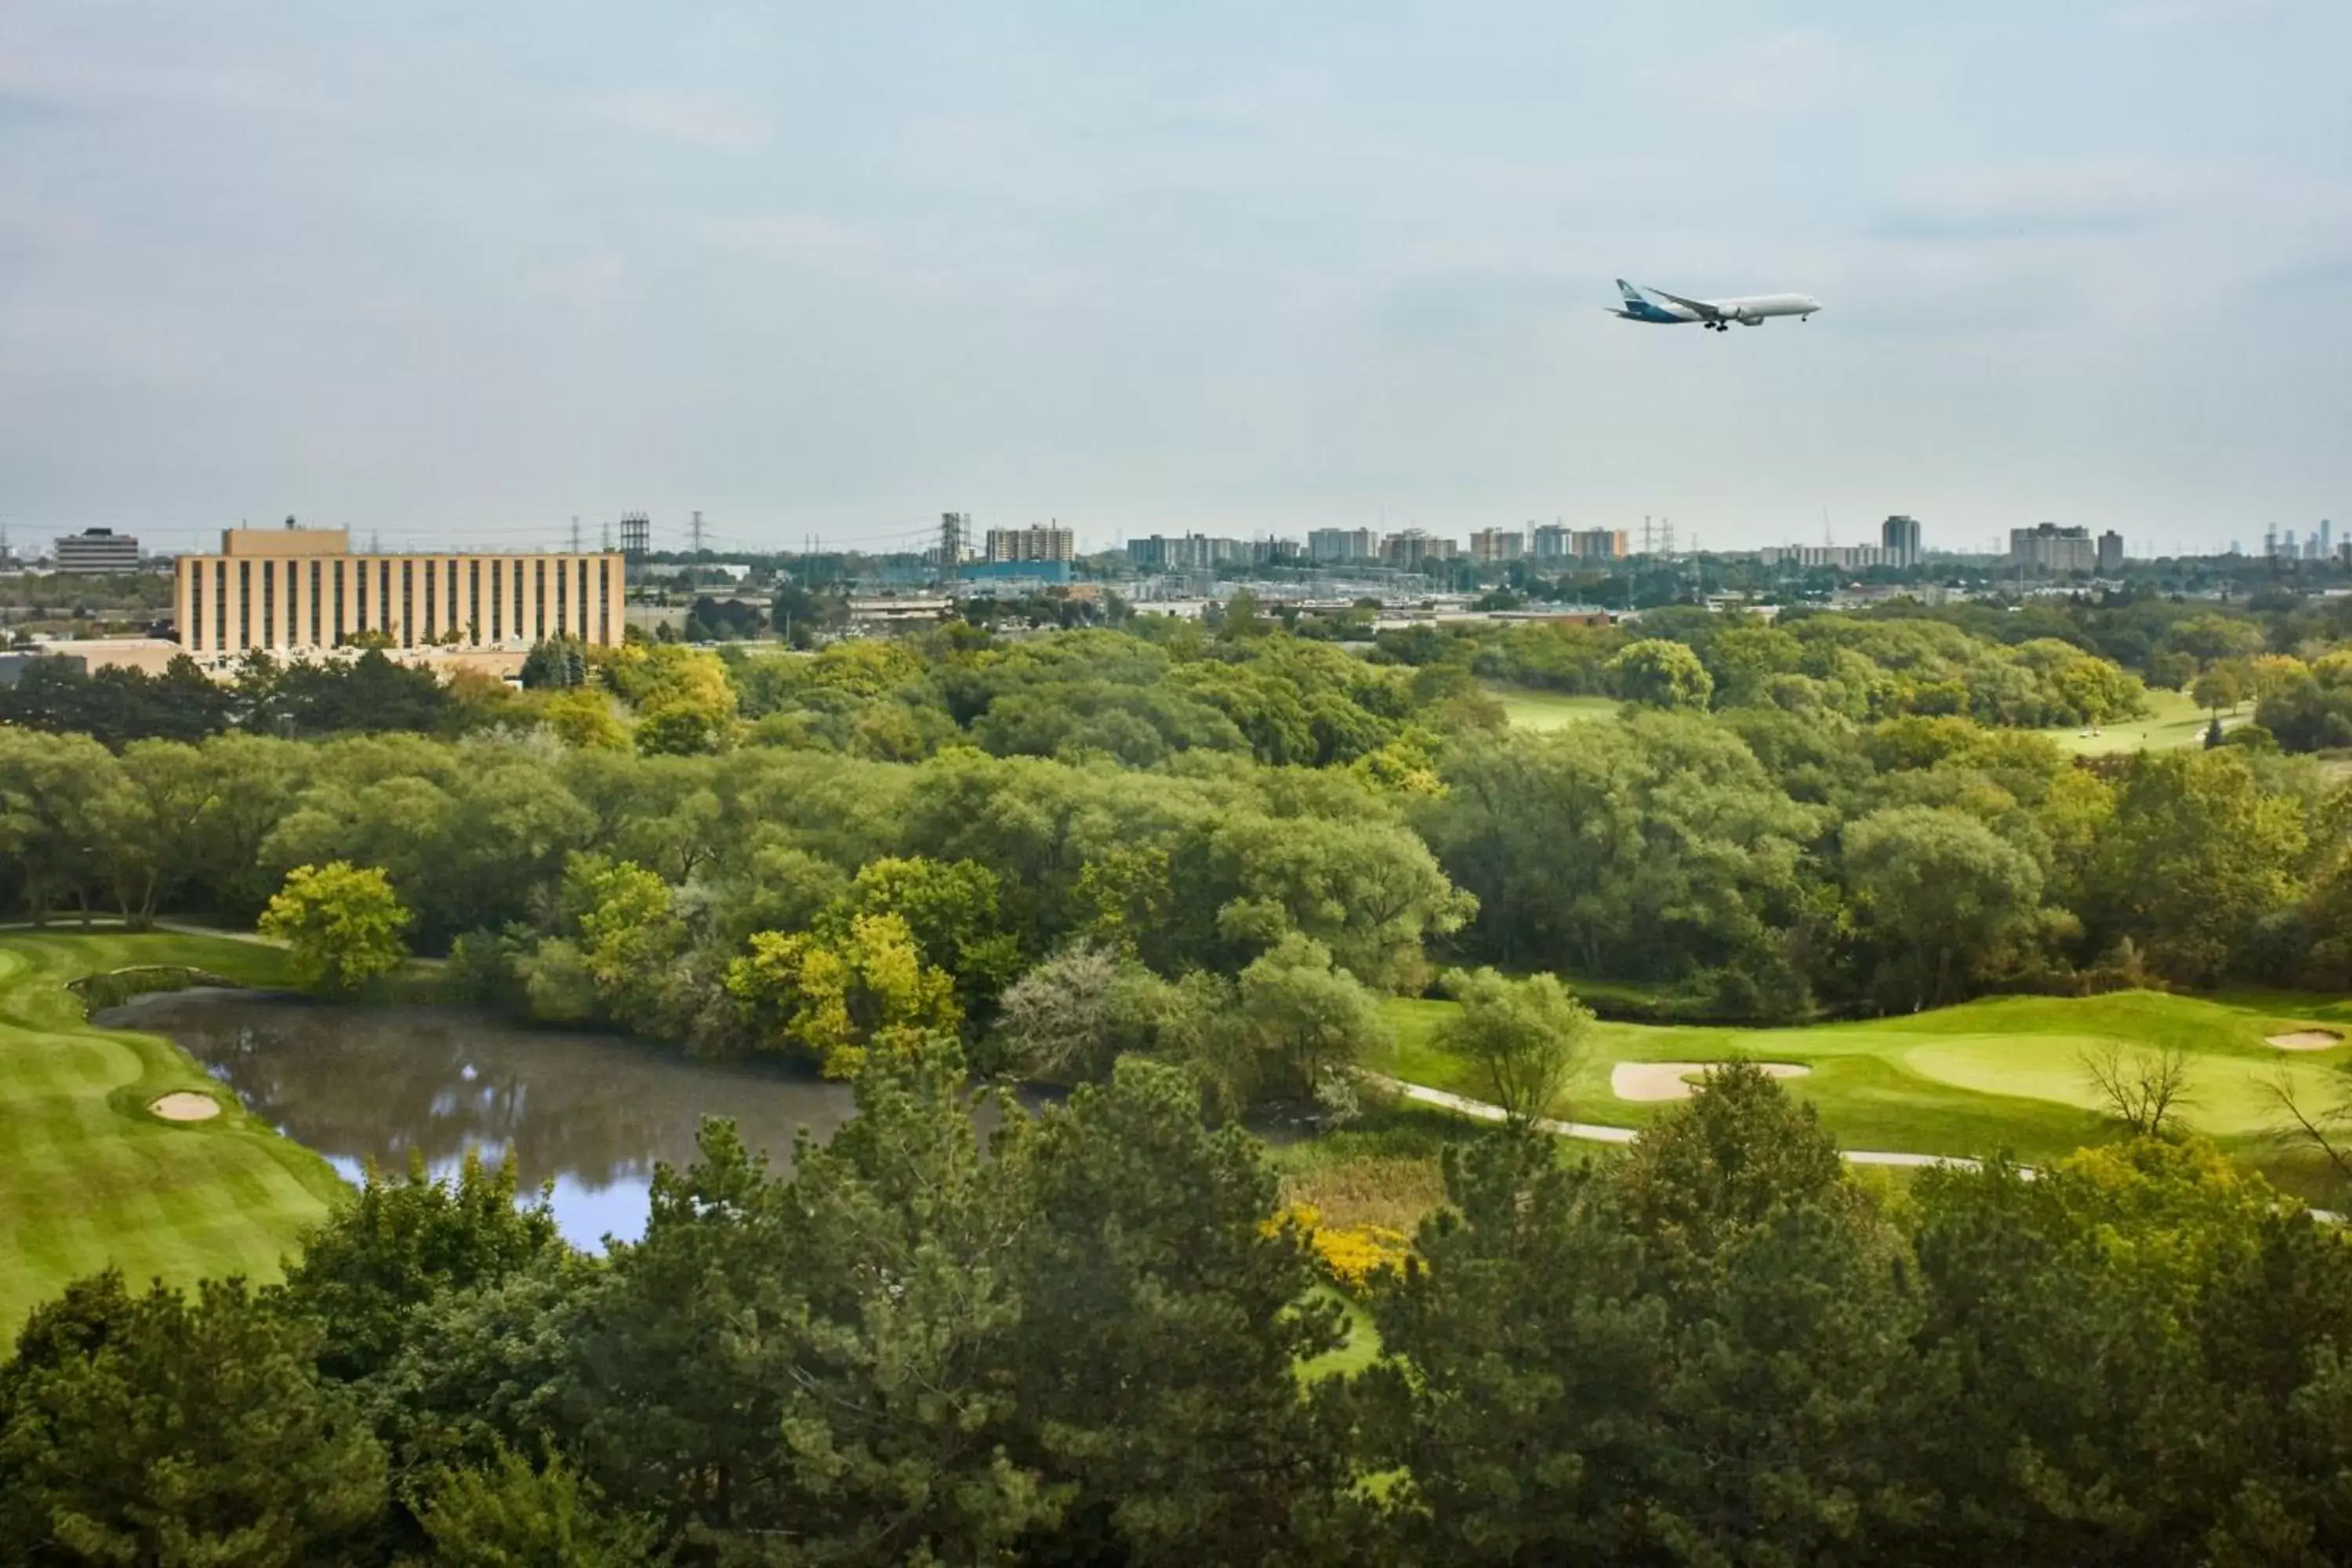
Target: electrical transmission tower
955,529
695,529
636,536
575,536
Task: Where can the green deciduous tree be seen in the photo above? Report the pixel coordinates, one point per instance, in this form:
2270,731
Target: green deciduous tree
1307,1023
1946,894
832,997
2198,854
341,924
1662,674
1525,1037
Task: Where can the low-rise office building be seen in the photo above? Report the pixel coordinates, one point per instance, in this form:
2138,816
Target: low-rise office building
96,550
299,590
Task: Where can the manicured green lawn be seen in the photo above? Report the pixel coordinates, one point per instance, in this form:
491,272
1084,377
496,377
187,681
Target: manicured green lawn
1532,709
2173,719
2001,1073
89,1176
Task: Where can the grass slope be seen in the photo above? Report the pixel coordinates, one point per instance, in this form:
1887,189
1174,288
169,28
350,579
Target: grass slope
87,1176
2003,1073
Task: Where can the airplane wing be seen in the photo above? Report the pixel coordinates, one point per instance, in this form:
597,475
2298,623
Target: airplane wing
1706,312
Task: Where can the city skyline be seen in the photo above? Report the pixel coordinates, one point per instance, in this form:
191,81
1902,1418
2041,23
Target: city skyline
1230,270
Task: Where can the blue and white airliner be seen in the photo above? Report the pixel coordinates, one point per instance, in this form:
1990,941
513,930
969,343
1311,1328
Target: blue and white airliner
1751,310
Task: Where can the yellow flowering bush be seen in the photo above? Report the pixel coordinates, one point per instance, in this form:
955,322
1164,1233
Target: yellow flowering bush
1352,1254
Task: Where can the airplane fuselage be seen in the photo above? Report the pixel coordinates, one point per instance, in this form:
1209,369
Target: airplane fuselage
1673,311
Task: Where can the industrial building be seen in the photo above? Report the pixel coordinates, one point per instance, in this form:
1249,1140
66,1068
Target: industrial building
299,590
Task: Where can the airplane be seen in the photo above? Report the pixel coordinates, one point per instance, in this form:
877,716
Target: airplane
1718,315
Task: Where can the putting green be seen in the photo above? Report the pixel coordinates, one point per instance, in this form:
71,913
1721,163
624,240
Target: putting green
90,1175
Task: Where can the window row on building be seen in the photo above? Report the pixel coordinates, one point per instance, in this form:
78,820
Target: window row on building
304,590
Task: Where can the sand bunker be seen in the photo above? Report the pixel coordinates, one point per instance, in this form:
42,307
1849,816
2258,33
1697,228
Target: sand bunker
185,1105
1675,1080
2306,1039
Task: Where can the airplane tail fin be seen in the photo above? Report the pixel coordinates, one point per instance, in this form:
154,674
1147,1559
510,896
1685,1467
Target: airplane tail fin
1632,295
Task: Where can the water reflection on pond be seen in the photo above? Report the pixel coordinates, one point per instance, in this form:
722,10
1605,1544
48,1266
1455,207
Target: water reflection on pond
589,1112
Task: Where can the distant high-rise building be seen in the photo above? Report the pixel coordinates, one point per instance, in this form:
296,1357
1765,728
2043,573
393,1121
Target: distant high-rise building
1551,544
1192,552
2326,539
1598,544
2111,553
1415,550
1836,557
2046,547
1342,546
1048,542
96,550
1490,546
1899,538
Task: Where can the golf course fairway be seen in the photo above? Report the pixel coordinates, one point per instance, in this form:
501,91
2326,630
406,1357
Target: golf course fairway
2003,1073
90,1175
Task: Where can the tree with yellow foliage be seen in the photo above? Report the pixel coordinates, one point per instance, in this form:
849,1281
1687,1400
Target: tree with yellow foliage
832,995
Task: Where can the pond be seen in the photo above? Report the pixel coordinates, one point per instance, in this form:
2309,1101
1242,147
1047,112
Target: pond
590,1113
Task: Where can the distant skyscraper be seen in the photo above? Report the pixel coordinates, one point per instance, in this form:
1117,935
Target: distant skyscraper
1899,538
2111,553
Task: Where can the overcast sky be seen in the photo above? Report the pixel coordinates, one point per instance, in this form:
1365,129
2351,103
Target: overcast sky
459,273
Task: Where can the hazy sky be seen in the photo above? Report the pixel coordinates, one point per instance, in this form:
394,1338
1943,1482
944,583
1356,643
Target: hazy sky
459,273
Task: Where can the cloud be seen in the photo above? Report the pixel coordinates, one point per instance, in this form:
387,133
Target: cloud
1788,73
810,240
2097,198
2161,15
690,121
2107,198
580,283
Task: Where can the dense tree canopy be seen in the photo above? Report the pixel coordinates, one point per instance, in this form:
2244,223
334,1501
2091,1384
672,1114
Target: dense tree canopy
1083,1342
